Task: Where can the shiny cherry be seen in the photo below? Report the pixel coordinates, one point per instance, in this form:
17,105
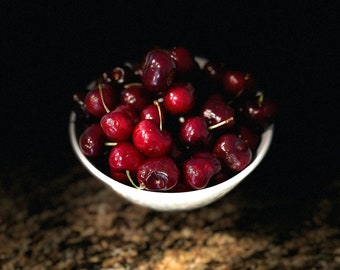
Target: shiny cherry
216,110
125,156
213,71
261,110
92,140
159,70
233,151
250,136
194,131
184,60
151,112
150,140
158,174
200,168
100,100
234,82
179,99
135,96
119,123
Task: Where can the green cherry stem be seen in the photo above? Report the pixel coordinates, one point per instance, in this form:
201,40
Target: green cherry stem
225,122
110,143
131,180
102,97
236,97
156,103
260,96
137,84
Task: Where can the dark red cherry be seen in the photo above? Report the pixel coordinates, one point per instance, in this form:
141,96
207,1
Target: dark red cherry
92,140
125,156
150,140
151,112
158,174
120,176
250,136
224,174
179,99
234,82
119,123
99,102
250,81
216,110
261,110
182,186
194,131
118,75
135,96
200,168
213,71
233,151
159,70
185,61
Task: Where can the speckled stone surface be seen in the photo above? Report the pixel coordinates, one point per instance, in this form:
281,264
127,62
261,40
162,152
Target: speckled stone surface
74,221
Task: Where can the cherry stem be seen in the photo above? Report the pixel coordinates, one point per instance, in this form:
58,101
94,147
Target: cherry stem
131,180
225,122
110,143
137,84
236,96
260,96
156,103
102,98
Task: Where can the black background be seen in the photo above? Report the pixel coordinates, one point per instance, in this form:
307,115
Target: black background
50,50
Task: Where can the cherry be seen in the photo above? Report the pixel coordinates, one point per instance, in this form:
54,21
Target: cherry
137,69
92,140
234,82
119,123
125,156
151,112
261,110
216,111
200,168
179,99
251,138
213,71
184,60
233,151
118,75
158,174
135,96
224,174
159,70
194,131
182,186
250,81
150,139
120,176
100,100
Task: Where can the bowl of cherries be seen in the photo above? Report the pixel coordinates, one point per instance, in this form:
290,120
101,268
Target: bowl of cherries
172,131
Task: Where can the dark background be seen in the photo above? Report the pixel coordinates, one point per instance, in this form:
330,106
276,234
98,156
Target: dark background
50,50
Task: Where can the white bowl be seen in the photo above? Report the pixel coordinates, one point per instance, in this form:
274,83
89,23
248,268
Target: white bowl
171,201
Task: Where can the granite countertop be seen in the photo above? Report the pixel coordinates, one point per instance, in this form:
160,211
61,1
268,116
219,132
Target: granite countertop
73,221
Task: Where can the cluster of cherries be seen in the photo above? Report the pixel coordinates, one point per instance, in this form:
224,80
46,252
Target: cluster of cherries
165,124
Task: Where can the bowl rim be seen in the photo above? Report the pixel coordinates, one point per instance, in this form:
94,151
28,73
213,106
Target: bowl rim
263,148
